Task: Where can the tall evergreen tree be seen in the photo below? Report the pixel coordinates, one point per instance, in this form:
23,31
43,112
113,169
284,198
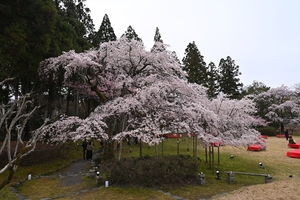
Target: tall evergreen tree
130,34
31,31
157,36
73,27
78,10
157,39
228,80
25,39
212,80
105,33
194,65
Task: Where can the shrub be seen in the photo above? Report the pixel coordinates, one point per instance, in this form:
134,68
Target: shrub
270,131
163,172
43,153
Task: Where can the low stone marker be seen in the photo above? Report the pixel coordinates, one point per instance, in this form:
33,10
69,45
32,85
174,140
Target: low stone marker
98,179
201,179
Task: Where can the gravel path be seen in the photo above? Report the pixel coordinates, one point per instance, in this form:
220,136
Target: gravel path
71,175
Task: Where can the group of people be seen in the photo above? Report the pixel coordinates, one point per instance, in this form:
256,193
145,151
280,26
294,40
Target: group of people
88,147
87,150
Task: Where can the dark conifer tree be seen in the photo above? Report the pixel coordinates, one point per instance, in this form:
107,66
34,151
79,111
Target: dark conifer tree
228,80
157,36
31,31
105,33
212,80
74,25
157,39
194,65
130,34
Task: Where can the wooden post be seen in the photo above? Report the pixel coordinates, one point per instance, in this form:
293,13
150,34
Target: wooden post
206,154
209,156
140,147
196,147
178,147
218,155
162,148
213,158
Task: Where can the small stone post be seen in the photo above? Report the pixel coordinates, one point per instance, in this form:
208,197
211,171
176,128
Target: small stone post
268,179
98,179
230,177
201,179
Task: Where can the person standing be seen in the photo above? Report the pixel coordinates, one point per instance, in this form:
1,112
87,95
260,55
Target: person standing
286,134
89,151
84,145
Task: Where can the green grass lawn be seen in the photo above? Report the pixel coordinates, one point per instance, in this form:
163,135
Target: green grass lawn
243,161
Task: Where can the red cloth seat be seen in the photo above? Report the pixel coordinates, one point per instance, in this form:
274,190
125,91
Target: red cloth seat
293,153
264,136
294,146
280,135
172,135
177,135
215,144
256,147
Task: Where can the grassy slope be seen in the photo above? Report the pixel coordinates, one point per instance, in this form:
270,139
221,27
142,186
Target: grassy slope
274,160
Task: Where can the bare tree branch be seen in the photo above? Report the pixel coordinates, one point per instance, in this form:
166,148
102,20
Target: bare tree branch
15,116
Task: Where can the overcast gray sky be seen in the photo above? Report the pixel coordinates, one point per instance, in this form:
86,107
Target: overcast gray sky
262,36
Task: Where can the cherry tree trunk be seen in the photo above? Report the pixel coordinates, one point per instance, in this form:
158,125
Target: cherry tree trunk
108,151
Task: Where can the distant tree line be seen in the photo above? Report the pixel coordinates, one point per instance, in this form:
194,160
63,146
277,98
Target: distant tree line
34,30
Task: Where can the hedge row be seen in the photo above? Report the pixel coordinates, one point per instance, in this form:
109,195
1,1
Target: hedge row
153,172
